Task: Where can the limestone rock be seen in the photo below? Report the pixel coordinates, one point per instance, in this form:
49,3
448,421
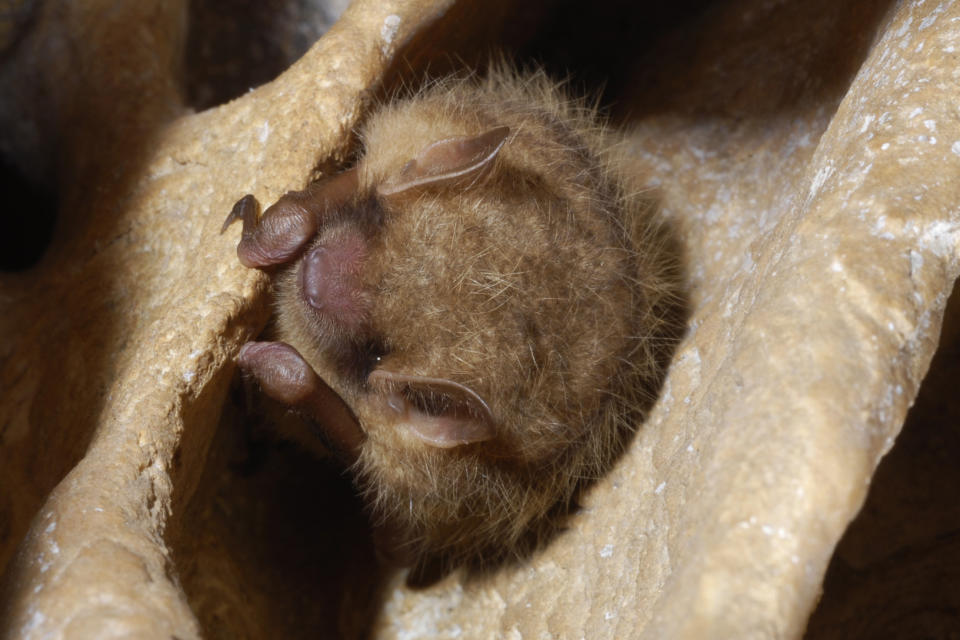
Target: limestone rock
808,153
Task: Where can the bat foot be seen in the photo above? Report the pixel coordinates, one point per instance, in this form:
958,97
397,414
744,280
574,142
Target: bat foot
289,379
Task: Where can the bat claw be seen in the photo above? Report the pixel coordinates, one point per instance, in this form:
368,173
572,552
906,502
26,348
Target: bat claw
245,209
286,227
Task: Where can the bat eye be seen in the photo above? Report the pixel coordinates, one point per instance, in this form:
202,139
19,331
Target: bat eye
371,354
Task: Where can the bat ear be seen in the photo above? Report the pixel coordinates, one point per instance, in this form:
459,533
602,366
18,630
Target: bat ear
441,413
447,161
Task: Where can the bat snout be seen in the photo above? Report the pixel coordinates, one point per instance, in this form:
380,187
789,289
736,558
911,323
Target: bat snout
330,282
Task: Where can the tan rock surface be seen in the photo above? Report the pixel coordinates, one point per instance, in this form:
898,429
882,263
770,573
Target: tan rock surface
894,573
809,154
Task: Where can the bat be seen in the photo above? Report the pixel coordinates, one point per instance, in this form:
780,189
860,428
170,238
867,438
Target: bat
474,316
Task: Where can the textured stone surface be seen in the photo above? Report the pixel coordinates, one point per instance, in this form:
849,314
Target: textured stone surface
894,573
808,153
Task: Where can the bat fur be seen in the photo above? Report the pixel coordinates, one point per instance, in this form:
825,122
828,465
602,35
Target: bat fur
488,297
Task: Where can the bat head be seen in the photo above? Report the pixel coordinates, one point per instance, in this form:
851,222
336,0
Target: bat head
455,299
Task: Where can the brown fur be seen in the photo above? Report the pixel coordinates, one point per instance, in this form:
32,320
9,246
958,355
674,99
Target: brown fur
544,286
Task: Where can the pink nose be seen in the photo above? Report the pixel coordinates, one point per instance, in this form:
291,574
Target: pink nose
330,279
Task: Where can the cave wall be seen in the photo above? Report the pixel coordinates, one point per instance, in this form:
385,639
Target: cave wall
808,154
